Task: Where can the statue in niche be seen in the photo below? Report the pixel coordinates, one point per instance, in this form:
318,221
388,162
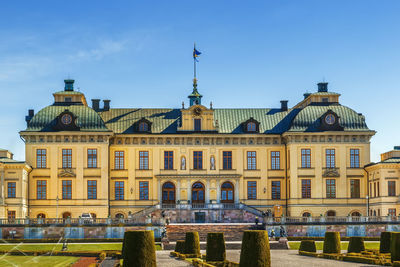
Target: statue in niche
212,163
183,163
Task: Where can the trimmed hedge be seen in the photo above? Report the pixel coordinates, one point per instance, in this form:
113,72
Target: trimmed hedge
180,246
356,244
384,247
308,245
319,238
311,254
139,249
332,242
396,264
361,260
395,247
192,243
215,247
255,249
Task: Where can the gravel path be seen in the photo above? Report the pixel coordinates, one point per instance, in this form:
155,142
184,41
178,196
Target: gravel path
164,260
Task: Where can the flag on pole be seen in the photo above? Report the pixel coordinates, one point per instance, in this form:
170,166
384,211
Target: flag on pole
196,53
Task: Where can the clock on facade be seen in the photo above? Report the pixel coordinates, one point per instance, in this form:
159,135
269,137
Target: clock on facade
66,119
197,111
330,119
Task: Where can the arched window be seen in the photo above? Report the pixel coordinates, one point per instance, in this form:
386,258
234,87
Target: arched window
306,214
331,213
143,127
355,214
227,193
168,193
93,215
119,216
198,193
251,127
41,216
66,215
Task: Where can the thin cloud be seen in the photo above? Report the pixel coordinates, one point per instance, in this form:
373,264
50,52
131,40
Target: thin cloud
105,48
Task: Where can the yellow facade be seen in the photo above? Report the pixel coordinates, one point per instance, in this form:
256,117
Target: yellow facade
138,155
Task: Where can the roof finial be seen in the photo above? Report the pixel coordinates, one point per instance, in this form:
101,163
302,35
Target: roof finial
183,105
211,106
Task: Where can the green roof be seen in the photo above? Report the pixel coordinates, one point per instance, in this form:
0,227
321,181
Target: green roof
87,119
325,93
308,119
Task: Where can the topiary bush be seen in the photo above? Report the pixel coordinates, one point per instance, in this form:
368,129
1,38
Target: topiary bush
192,243
215,247
255,249
395,247
180,246
356,244
308,245
138,249
332,242
384,246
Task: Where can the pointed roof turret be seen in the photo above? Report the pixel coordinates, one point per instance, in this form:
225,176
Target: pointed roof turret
195,96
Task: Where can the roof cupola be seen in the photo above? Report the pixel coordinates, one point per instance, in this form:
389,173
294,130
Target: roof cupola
322,87
69,85
195,96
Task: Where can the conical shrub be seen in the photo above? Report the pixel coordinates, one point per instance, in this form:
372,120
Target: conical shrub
395,247
332,242
215,247
384,246
139,249
255,249
192,243
356,244
308,245
180,246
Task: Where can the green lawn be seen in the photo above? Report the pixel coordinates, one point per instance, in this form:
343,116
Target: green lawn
43,261
344,245
71,247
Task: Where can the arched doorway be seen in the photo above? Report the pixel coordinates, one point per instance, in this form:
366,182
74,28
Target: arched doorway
355,214
227,193
198,196
168,193
306,214
331,213
119,216
41,216
66,215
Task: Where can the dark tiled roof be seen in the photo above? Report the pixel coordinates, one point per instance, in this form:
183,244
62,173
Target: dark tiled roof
10,161
308,119
391,160
87,119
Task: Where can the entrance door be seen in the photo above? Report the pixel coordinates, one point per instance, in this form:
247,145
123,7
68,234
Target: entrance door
198,196
168,193
227,193
66,215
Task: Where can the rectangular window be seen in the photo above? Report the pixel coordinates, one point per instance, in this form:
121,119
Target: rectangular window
354,158
377,189
144,190
67,158
11,187
144,160
306,158
197,160
330,158
66,189
227,160
41,189
251,160
119,190
92,158
197,125
41,158
306,188
251,190
169,160
275,160
391,188
392,212
119,160
330,188
92,189
374,189
276,189
355,188
11,214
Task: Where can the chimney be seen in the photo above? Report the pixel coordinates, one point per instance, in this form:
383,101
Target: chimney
69,85
322,87
96,104
28,118
284,106
106,105
306,95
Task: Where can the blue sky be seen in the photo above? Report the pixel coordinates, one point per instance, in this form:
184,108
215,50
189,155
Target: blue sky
255,53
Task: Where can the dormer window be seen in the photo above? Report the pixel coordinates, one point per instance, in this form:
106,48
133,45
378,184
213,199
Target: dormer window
197,125
251,127
143,127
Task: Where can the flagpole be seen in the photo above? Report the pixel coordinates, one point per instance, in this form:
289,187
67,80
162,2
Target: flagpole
194,61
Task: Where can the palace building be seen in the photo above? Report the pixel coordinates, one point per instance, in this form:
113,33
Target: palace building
306,160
